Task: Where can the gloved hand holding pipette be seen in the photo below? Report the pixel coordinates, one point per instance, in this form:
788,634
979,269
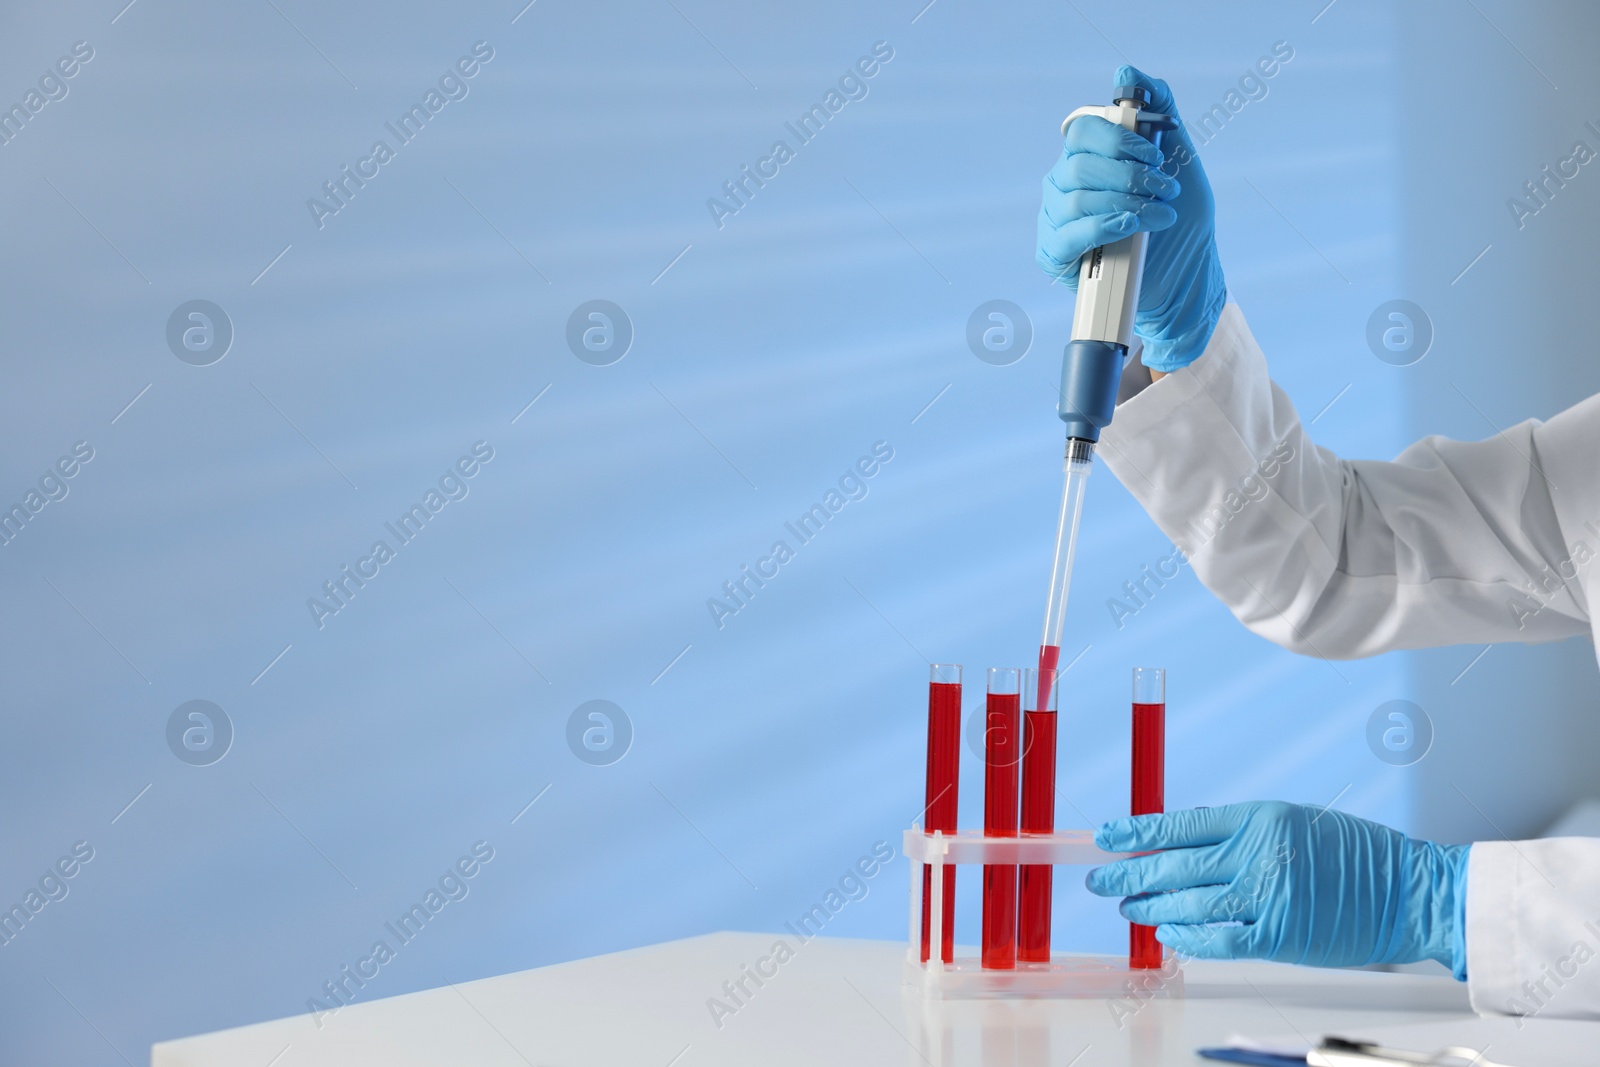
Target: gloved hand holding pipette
1288,882
1110,183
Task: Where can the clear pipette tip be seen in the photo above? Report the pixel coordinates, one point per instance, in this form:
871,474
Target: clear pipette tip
1079,453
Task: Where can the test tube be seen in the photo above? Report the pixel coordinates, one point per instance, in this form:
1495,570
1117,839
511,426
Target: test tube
1002,759
944,760
1038,811
1148,785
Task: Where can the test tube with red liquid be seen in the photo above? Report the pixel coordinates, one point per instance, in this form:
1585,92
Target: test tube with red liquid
1002,766
944,760
1038,811
1149,785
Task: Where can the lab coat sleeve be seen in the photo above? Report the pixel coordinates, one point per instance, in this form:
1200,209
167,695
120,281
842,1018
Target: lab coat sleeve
1452,542
1533,927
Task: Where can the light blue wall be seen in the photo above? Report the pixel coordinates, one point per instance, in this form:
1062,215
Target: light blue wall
1506,92
778,349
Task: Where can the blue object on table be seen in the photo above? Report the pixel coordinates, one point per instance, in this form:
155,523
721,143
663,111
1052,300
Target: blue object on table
1250,1056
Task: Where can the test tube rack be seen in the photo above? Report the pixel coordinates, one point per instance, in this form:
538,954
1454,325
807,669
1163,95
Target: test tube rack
1065,976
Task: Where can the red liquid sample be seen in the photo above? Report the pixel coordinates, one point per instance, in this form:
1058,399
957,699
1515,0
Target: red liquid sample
1149,798
1049,656
944,760
1038,817
1000,798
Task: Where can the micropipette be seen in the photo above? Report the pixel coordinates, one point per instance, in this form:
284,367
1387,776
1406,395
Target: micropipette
1091,367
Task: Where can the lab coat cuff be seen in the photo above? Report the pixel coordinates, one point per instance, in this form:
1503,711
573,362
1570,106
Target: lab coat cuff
1495,872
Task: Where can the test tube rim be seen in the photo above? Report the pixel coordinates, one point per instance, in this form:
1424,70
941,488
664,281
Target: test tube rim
989,679
1158,675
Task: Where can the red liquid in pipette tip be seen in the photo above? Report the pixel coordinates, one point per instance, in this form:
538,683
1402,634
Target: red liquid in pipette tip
1149,798
1049,656
944,755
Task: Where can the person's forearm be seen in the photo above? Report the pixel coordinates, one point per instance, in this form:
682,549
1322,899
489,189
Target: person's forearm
1342,559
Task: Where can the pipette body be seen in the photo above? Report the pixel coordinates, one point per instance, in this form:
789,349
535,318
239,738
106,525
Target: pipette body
1091,367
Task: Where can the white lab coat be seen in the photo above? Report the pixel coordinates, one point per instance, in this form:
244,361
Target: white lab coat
1451,543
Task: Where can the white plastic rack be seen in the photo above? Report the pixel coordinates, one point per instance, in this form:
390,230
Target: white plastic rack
1065,976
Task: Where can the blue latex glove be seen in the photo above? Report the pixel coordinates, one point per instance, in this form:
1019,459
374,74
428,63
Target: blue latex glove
1110,183
1297,884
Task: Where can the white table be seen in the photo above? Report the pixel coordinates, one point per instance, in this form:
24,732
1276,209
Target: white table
841,1002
